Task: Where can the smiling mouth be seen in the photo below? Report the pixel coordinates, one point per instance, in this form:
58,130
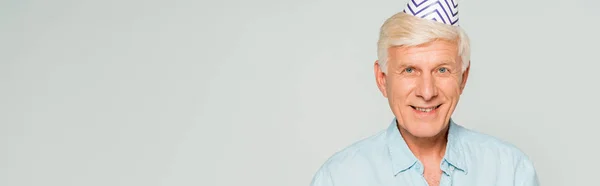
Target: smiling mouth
426,109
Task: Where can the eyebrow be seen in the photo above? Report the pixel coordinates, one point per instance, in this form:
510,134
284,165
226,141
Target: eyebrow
449,63
445,62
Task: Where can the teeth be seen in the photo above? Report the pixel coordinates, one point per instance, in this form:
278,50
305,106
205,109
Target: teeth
425,109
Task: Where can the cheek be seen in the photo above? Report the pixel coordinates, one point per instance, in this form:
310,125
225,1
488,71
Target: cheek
400,88
449,86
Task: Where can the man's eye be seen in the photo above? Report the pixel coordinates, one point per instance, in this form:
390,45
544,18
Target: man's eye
409,70
442,70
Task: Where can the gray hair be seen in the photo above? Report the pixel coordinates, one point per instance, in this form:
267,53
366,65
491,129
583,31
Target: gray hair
406,30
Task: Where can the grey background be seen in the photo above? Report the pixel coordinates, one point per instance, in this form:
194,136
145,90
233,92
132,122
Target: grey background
134,92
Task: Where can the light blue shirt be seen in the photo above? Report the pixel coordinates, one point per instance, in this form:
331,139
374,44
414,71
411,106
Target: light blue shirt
471,158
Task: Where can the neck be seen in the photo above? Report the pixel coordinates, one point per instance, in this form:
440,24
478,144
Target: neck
433,147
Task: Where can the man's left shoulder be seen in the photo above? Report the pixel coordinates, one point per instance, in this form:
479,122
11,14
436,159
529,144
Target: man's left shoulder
483,151
479,143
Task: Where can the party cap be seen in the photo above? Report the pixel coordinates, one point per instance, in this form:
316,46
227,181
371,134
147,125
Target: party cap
443,11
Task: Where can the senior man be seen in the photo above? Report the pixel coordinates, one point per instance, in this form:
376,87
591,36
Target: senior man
422,68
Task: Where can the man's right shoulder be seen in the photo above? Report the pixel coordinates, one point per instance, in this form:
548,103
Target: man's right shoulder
360,155
368,147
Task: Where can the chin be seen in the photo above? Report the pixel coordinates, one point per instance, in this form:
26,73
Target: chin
424,130
424,124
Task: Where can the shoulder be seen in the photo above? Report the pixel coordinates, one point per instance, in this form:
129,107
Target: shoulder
482,145
359,155
482,141
359,150
483,150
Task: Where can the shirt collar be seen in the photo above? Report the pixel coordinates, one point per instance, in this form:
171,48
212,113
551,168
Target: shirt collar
403,159
454,150
401,156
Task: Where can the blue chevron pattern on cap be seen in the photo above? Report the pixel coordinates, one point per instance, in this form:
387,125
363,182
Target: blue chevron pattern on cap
443,11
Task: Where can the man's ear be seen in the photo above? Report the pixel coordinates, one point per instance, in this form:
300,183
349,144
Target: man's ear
380,78
465,76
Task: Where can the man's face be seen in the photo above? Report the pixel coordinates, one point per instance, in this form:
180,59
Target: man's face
423,85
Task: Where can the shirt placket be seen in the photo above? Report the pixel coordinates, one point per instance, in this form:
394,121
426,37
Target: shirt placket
447,175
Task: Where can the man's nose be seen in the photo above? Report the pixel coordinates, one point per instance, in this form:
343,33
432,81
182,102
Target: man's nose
426,88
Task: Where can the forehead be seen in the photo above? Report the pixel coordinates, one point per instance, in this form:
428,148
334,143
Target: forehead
430,53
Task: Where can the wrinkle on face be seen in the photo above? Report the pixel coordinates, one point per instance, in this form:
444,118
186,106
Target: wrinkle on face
423,76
